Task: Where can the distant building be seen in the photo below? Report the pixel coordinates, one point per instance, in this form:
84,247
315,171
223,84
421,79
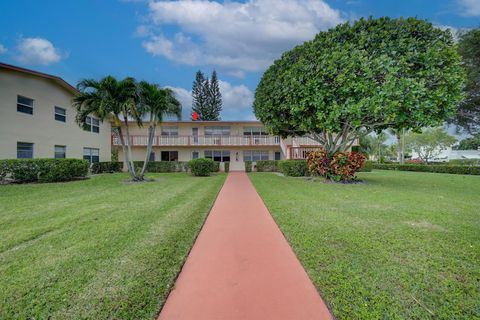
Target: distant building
450,154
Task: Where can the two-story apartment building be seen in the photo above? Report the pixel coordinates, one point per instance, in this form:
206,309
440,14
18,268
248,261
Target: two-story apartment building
223,141
37,119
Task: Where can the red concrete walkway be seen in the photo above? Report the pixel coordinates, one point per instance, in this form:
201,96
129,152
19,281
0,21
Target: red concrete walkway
241,266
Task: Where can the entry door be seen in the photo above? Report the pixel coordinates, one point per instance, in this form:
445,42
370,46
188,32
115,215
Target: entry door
195,135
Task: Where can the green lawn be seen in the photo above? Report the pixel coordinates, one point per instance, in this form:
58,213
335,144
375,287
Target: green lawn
402,246
99,248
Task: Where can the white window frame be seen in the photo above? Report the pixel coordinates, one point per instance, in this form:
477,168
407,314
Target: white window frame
33,149
25,105
90,124
64,115
256,155
89,152
64,151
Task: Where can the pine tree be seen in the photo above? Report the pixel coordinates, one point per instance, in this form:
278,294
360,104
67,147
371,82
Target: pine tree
200,96
207,99
214,97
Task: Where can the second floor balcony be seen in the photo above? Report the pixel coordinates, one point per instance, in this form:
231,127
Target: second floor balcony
211,140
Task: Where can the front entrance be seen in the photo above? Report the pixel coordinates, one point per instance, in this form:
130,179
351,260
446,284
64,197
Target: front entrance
236,161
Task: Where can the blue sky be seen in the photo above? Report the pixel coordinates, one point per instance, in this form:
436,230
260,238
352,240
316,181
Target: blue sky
166,42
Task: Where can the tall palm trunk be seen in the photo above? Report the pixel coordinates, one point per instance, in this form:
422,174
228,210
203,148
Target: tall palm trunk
129,151
151,135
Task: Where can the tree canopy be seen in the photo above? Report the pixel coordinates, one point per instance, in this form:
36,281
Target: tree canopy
360,77
468,113
472,143
206,97
430,143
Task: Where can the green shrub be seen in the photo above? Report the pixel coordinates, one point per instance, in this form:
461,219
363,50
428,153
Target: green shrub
267,165
203,167
226,166
43,170
293,168
452,169
248,166
4,169
367,167
106,167
465,162
162,166
216,166
55,170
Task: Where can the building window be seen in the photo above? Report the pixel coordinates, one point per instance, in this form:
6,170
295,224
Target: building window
91,154
217,131
169,155
92,124
60,114
195,154
60,151
254,155
254,131
24,150
152,156
278,156
218,155
24,105
169,131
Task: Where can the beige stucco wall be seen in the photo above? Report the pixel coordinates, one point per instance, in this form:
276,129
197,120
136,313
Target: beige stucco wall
41,128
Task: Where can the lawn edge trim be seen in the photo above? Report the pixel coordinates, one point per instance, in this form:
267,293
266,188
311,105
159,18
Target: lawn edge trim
290,245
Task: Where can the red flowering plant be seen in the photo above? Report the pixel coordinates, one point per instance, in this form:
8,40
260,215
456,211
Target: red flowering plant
342,166
318,163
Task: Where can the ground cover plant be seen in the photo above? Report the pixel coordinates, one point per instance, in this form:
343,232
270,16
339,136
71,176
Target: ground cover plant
100,248
404,245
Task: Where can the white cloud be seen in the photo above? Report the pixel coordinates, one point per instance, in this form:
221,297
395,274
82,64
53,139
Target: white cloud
470,8
237,101
37,51
232,35
2,49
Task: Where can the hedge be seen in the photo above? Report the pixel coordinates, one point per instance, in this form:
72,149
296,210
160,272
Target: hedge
162,166
267,166
203,167
43,170
367,167
452,169
106,167
248,166
465,162
293,168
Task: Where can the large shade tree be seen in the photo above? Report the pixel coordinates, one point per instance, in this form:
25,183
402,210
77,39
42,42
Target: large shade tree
360,77
468,112
112,100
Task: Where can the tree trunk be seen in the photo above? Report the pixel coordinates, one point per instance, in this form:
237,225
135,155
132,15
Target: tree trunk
151,135
342,142
124,150
129,151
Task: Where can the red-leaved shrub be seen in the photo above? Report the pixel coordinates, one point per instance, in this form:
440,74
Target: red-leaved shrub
342,166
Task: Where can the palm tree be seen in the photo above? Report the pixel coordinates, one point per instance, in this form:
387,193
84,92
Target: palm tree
400,136
113,100
156,102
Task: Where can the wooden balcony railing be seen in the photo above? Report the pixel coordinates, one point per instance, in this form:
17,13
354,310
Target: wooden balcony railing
202,140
